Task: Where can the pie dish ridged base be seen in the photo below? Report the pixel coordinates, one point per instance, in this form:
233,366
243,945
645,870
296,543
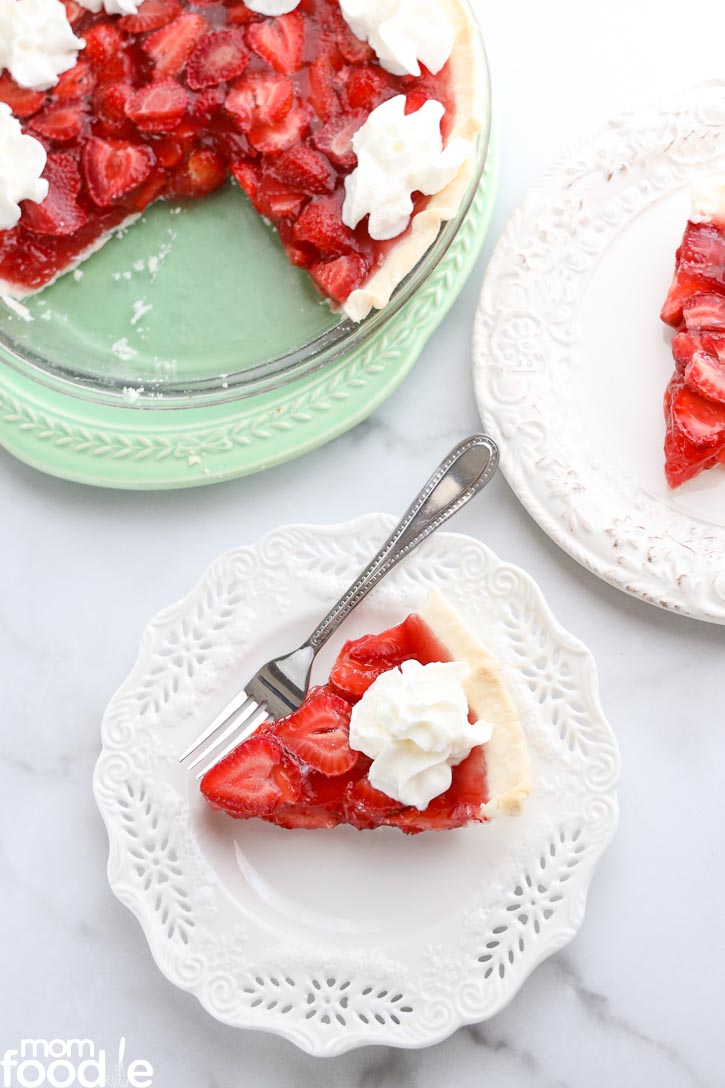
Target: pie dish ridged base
339,939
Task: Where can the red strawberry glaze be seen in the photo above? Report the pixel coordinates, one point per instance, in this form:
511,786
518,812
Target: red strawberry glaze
332,785
694,403
168,103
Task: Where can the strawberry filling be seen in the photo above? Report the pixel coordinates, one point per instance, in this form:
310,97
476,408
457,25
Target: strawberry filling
301,772
168,103
695,398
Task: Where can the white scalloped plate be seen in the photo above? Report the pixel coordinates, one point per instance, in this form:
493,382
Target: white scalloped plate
337,939
571,360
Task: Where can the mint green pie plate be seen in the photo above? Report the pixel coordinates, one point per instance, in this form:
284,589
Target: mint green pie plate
168,403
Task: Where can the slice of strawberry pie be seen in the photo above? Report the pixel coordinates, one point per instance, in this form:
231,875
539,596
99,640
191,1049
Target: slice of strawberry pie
414,729
695,306
350,125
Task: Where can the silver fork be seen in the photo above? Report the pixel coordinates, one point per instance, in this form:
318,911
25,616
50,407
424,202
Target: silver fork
280,686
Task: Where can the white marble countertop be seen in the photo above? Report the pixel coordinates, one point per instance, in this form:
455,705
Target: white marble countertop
637,998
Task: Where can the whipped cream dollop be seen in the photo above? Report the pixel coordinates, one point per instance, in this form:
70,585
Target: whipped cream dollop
22,161
398,154
37,42
413,723
271,7
708,200
402,32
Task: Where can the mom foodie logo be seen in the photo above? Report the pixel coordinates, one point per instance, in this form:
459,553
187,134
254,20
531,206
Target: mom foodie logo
62,1063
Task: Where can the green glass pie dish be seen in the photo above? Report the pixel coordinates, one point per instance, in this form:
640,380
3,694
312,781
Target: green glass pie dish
189,350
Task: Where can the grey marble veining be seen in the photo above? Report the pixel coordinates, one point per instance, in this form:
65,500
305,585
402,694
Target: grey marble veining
637,998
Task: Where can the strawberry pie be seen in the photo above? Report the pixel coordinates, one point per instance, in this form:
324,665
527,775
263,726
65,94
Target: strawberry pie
695,307
414,729
349,124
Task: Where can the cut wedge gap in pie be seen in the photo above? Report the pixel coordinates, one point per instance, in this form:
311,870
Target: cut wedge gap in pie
694,401
302,772
169,102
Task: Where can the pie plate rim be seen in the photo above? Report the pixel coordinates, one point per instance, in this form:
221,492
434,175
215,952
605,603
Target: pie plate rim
331,986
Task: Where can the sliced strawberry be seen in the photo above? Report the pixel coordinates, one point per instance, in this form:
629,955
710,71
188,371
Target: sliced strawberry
353,50
207,105
217,58
150,16
249,176
22,102
331,791
202,173
260,98
304,168
171,46
339,278
683,459
280,42
158,107
323,96
150,190
705,374
61,122
705,311
362,660
714,344
335,138
59,214
468,788
113,168
169,152
684,285
269,196
701,421
320,225
365,799
77,82
253,780
104,51
702,252
318,733
276,201
278,137
366,87
109,105
684,346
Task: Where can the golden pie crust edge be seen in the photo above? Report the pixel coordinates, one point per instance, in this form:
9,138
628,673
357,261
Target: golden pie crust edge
508,768
467,80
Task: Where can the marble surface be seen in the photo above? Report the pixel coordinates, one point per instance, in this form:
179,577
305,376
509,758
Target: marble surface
637,998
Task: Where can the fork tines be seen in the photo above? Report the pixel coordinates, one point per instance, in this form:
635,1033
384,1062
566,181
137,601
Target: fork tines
239,718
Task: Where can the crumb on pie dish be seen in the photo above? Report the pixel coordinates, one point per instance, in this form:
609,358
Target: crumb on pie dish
694,401
350,124
414,729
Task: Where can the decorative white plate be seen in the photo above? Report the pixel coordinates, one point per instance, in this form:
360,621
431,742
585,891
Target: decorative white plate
571,360
336,939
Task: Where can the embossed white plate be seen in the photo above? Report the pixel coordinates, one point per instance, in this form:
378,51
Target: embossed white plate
571,359
336,939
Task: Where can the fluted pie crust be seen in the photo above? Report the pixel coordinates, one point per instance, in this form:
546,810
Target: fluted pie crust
467,80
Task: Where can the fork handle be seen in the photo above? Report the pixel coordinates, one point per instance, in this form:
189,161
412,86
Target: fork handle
461,475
